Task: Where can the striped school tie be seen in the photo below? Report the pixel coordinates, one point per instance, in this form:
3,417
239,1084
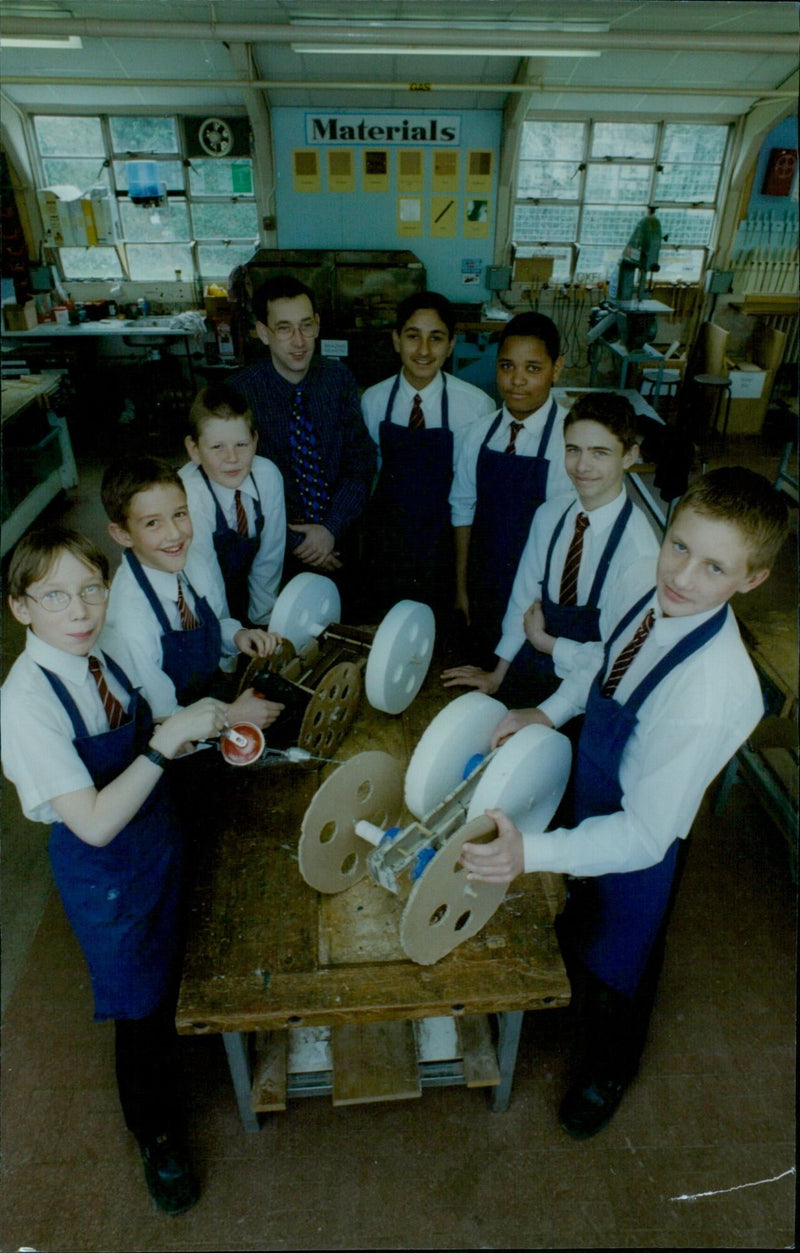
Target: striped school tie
113,709
241,517
568,594
188,620
516,427
417,420
627,655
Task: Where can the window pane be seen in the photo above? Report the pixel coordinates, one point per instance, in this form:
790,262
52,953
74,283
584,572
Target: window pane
225,221
684,141
75,172
221,177
171,221
622,139
70,136
160,262
551,180
687,226
538,223
684,263
549,140
90,263
143,134
169,172
688,182
597,264
618,184
610,226
216,261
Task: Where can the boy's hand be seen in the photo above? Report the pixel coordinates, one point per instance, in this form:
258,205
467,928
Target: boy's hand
316,546
203,720
514,721
501,860
250,707
471,676
255,642
535,630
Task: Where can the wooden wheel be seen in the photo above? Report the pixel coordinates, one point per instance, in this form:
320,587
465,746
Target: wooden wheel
444,907
331,710
368,787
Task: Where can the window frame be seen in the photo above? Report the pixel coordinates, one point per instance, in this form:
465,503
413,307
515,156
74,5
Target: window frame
194,243
581,206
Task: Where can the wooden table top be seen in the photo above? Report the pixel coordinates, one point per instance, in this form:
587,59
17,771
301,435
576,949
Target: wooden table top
267,952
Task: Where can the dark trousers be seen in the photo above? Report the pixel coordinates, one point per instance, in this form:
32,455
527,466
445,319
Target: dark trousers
148,1077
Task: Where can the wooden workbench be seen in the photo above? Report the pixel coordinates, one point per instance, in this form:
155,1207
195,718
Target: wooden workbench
266,953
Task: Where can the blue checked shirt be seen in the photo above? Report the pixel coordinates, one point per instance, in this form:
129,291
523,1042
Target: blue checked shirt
347,454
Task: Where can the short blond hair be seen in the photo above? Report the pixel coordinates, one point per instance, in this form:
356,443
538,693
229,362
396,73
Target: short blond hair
747,500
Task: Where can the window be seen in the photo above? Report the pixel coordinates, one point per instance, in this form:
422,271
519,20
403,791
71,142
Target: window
583,186
206,225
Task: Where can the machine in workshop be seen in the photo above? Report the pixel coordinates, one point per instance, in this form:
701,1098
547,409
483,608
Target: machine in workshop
627,317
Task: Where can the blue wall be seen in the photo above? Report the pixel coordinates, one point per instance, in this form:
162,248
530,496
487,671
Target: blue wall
361,219
784,135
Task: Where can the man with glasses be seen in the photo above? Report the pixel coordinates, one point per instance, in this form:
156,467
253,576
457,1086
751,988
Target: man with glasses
309,422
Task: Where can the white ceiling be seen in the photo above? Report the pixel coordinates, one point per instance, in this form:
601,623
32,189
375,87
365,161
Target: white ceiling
147,70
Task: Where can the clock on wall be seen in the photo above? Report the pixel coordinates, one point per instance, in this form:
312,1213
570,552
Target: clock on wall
215,137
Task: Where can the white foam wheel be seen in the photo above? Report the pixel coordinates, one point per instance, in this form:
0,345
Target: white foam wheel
368,787
307,605
444,907
526,778
400,655
458,732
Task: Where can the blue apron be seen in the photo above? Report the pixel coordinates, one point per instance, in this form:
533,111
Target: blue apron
235,554
627,909
189,658
410,535
122,900
509,491
575,622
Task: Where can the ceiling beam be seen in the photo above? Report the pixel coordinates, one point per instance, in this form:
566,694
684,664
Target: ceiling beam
504,35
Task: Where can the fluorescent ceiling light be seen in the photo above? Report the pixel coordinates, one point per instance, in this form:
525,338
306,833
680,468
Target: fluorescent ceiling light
40,41
409,50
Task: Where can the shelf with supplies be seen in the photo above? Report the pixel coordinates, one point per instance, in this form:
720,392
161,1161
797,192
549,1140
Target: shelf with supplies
38,461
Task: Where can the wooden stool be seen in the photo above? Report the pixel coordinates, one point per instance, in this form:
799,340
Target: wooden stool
716,386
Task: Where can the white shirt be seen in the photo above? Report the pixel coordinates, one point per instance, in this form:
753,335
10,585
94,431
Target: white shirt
464,492
39,756
264,481
687,729
465,405
637,541
130,616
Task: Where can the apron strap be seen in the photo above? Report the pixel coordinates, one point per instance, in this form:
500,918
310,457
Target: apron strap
548,430
551,546
444,407
610,549
683,649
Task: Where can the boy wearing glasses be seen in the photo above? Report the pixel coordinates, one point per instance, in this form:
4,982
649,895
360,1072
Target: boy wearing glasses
81,747
308,417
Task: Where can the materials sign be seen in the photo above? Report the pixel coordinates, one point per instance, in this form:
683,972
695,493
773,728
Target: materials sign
382,128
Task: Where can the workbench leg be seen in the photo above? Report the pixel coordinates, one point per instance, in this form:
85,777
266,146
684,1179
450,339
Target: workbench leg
509,1026
236,1048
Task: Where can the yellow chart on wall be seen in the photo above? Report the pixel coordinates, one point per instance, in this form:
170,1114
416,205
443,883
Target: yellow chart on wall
341,176
410,169
444,217
445,169
476,217
409,216
305,169
375,167
479,170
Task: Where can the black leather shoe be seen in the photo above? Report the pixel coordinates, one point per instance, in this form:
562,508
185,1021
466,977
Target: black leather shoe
587,1107
170,1179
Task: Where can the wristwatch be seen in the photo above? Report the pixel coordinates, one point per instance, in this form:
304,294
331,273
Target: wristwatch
152,754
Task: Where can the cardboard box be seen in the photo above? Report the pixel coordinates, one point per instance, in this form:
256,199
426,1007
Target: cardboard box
766,352
21,317
747,380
